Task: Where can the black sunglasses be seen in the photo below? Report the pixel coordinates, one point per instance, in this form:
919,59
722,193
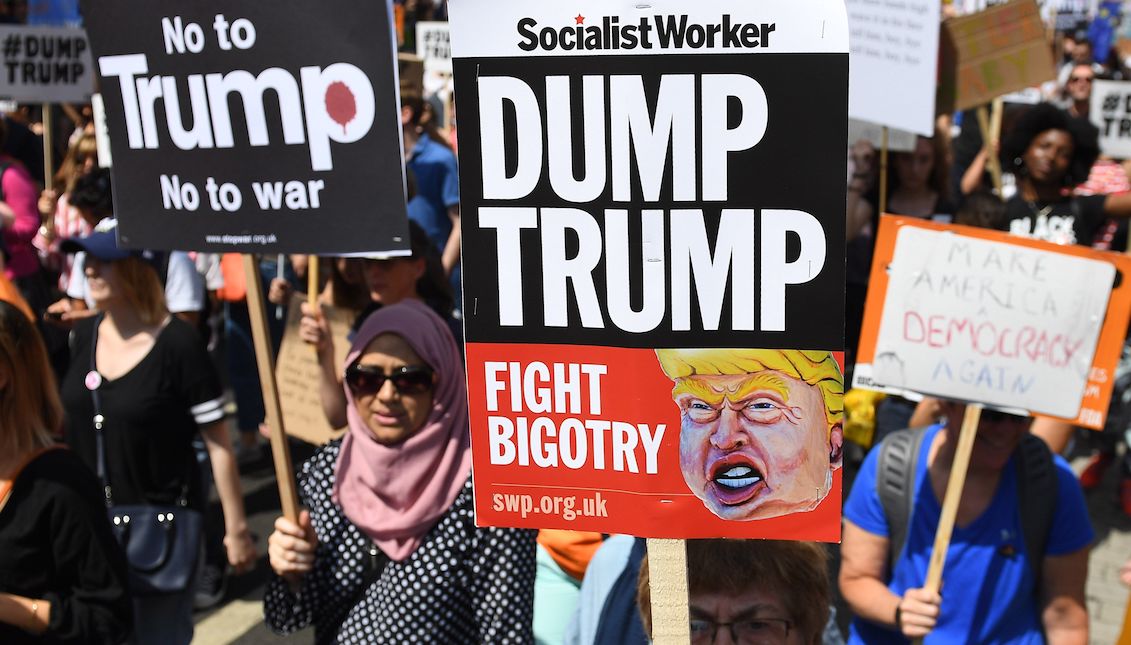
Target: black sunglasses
997,416
366,380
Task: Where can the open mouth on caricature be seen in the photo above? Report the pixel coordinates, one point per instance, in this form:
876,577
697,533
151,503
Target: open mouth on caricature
735,479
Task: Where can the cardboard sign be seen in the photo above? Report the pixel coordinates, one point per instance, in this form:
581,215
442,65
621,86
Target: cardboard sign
986,317
45,65
298,373
647,193
1110,111
994,52
894,44
238,127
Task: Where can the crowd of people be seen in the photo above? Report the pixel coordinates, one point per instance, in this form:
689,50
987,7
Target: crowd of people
130,402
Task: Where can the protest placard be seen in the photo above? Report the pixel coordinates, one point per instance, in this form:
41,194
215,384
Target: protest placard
898,140
643,266
990,53
986,317
237,126
298,373
433,45
1110,111
894,44
45,65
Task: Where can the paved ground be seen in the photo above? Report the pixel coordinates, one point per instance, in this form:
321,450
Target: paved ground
239,619
1107,596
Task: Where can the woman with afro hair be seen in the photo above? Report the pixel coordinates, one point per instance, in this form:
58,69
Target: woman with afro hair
1051,153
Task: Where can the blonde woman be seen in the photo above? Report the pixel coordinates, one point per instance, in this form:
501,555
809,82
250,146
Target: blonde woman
62,575
156,388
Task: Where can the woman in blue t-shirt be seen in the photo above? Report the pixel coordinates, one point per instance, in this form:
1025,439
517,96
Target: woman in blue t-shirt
990,591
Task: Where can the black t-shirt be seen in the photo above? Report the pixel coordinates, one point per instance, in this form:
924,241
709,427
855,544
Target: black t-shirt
1072,221
56,544
151,413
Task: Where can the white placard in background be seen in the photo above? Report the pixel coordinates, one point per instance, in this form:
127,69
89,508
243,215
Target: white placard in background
434,46
1111,113
45,65
898,140
991,322
894,45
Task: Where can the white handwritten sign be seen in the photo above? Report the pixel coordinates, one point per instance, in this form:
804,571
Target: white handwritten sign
991,322
894,44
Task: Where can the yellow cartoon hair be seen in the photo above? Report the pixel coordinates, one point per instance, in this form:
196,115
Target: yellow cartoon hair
819,369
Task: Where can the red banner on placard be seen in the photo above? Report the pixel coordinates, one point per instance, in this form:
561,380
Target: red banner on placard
606,456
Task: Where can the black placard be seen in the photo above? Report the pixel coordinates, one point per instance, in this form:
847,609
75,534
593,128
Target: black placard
799,164
318,172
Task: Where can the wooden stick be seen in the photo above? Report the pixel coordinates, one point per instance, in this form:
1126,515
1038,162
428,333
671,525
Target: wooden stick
48,146
312,281
989,135
1125,633
280,449
883,170
667,583
953,496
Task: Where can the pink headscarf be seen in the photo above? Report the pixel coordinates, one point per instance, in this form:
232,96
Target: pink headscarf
396,494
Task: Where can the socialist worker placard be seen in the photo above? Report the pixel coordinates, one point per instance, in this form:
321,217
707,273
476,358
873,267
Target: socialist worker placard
653,237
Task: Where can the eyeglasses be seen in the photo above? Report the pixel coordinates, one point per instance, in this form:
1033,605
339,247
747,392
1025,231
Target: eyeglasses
367,380
755,631
1077,79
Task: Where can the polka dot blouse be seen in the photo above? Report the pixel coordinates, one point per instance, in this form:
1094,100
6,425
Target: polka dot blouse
463,585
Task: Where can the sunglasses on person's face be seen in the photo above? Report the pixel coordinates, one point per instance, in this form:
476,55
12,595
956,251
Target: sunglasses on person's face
1077,79
367,380
996,416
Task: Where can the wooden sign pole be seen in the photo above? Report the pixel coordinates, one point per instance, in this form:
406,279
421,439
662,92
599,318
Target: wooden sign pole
48,146
280,450
312,281
990,127
1125,633
883,205
667,584
953,496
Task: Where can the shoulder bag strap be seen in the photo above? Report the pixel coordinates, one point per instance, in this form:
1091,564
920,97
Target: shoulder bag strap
1037,494
98,420
895,486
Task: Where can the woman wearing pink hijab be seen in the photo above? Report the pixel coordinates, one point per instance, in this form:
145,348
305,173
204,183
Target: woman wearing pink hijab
389,551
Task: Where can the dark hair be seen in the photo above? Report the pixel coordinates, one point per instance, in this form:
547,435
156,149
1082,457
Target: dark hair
423,118
93,191
939,179
1042,118
984,210
794,572
433,287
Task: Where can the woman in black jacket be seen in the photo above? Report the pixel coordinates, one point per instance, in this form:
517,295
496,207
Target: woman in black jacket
62,574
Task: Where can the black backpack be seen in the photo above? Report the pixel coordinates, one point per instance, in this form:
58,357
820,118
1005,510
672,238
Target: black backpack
1036,491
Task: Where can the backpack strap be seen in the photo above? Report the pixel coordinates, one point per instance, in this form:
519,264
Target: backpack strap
1036,488
895,485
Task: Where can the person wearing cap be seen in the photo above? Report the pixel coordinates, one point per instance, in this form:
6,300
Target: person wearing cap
761,430
993,589
184,287
156,390
390,279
